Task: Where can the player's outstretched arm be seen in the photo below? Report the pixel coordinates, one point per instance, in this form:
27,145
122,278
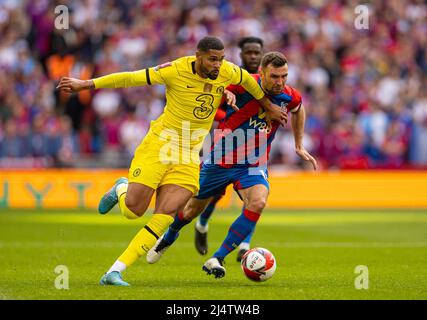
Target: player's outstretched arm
114,80
298,123
74,85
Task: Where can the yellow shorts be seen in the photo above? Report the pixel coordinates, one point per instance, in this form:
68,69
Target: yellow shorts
150,168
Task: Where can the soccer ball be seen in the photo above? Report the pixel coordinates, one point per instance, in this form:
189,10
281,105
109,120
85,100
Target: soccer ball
258,264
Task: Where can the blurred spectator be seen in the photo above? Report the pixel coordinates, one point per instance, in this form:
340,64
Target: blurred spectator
13,145
132,131
38,139
419,137
68,148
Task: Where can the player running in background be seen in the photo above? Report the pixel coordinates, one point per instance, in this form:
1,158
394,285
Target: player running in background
167,160
250,55
230,163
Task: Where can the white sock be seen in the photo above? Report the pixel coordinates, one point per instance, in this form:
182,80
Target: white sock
200,228
244,245
117,266
119,188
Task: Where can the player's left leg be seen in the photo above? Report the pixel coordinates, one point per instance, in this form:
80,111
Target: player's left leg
254,198
207,213
169,200
244,246
201,227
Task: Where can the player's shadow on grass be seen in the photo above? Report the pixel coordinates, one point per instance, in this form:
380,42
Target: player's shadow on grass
197,283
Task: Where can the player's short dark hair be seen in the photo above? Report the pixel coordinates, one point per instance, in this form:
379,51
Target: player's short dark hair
246,40
274,58
210,43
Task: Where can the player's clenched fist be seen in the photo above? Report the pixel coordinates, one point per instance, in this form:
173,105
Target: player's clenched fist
71,85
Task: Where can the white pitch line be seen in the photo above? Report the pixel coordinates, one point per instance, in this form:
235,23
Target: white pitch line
349,244
111,244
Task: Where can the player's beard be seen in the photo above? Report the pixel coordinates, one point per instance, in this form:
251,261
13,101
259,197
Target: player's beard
274,90
210,74
213,75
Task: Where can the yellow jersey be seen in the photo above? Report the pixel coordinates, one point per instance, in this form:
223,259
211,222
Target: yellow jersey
191,101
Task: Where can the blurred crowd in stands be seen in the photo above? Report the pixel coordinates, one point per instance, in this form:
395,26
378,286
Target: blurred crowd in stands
365,91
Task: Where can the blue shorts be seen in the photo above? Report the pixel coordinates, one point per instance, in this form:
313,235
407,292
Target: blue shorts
214,179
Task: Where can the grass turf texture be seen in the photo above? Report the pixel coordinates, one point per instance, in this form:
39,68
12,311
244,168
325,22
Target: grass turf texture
316,254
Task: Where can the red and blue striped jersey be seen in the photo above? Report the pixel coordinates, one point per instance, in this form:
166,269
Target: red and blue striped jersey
243,137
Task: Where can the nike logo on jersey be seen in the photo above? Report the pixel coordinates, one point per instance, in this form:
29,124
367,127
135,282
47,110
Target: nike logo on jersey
190,86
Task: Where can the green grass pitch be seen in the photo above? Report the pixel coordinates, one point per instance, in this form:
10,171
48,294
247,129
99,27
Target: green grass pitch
316,251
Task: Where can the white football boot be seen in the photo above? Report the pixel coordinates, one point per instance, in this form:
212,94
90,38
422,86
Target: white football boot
215,266
156,252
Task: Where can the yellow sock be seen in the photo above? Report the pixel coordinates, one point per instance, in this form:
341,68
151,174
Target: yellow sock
146,238
121,193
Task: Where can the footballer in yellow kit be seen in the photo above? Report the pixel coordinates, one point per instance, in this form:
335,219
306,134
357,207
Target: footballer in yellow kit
167,160
169,154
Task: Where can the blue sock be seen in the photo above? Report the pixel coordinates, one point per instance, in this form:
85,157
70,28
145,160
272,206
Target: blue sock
173,231
239,230
249,237
205,216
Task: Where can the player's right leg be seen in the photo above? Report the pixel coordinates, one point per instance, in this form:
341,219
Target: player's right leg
253,189
110,198
145,173
133,198
215,266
